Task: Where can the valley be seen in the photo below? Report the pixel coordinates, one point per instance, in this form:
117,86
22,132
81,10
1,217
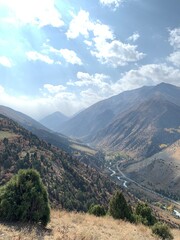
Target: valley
136,149
115,169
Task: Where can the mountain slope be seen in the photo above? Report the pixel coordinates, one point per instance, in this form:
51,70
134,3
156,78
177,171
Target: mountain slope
21,118
70,184
141,131
166,162
95,118
99,115
54,121
37,128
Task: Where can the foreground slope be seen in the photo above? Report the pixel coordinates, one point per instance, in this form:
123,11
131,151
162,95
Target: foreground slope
70,184
76,226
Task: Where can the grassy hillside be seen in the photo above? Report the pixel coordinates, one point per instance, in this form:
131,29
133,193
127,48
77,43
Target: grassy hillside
71,185
77,226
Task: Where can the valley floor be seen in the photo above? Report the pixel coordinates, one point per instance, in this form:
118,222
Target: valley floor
76,226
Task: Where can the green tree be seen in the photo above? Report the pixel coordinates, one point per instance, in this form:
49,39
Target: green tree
118,207
162,230
24,198
97,210
145,213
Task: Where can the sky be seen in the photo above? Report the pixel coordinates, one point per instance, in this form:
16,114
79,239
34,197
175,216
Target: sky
65,55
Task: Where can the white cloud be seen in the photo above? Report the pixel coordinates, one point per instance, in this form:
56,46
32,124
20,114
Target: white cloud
70,56
82,25
79,25
85,79
174,38
115,53
88,43
35,56
112,3
54,88
5,61
41,12
175,58
134,37
104,46
150,74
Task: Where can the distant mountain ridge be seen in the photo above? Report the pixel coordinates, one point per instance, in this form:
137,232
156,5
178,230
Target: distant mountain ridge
111,122
37,128
54,121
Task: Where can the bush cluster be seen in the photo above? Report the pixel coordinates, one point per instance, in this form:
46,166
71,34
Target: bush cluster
118,207
24,198
162,230
97,210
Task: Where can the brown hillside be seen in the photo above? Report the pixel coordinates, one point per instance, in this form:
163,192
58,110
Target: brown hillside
71,185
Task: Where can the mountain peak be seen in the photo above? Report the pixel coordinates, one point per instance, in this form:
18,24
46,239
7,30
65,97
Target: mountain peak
54,121
164,85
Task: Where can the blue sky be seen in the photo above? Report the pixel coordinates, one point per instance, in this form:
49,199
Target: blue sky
66,55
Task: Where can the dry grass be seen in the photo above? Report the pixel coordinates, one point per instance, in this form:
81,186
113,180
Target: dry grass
6,134
75,226
83,148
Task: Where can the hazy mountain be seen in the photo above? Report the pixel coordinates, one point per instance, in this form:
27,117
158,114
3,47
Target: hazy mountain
143,130
54,121
21,118
133,121
70,184
103,113
100,114
37,128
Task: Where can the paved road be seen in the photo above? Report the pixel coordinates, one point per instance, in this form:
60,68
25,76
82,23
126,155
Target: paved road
137,184
144,188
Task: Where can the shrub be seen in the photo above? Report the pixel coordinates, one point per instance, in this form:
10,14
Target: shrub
118,207
145,213
162,230
24,198
97,210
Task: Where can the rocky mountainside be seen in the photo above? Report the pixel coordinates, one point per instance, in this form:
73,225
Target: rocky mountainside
70,184
103,113
136,121
161,172
142,131
99,115
54,121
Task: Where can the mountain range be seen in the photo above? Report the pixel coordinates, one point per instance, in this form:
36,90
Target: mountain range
143,123
137,122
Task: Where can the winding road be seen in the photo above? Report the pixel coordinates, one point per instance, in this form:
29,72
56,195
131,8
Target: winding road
137,184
